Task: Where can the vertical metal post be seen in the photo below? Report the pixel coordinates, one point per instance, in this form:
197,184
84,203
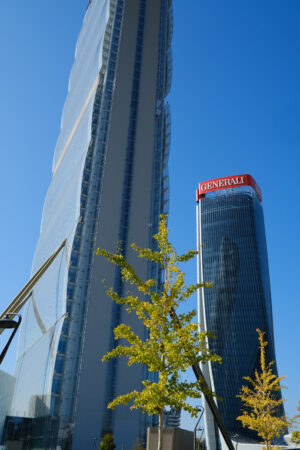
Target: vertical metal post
200,409
95,443
9,323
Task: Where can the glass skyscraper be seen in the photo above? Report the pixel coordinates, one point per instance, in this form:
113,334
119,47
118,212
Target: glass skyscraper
233,255
109,186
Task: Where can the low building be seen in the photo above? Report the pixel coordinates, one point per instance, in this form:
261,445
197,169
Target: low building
7,385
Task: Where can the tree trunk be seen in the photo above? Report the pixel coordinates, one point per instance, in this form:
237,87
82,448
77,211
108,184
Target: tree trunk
160,427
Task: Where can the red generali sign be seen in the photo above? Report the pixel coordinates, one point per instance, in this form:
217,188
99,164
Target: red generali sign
227,182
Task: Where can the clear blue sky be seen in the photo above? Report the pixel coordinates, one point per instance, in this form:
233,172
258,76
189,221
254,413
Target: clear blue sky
235,107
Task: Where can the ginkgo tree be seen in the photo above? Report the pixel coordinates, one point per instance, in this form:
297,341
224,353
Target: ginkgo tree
296,433
262,401
174,342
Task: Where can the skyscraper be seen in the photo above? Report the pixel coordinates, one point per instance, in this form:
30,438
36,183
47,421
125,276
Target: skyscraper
109,186
233,255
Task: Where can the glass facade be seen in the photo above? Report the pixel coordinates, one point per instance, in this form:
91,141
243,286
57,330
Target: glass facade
234,257
116,45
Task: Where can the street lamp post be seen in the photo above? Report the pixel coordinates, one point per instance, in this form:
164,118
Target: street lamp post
200,409
95,443
236,436
9,323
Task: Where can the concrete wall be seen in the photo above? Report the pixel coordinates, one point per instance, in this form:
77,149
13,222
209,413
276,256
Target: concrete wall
173,439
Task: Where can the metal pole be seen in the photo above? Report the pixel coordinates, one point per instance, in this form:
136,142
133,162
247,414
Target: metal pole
200,438
195,429
208,397
15,329
19,301
236,436
95,443
213,407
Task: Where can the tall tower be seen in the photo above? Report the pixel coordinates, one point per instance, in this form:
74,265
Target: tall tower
233,255
109,186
